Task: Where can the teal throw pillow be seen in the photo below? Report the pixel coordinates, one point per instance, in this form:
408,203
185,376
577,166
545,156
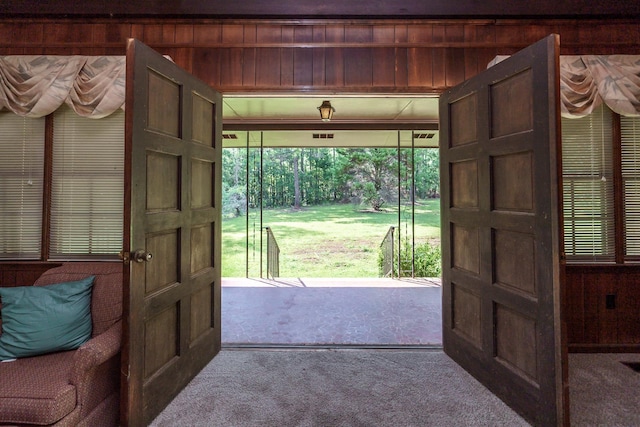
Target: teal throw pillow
44,319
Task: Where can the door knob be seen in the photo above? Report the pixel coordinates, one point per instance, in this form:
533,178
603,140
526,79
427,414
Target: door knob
142,256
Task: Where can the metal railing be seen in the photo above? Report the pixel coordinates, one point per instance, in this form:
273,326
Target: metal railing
387,247
273,255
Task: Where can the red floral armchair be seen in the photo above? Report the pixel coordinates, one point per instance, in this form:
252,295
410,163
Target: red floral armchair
78,387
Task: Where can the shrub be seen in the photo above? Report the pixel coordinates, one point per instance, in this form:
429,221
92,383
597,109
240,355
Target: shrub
428,260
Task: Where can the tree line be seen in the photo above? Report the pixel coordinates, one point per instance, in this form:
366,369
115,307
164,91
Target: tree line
297,177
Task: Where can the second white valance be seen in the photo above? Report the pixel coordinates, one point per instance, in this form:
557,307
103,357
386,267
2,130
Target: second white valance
587,81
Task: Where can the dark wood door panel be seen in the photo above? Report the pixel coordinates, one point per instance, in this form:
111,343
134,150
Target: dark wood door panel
172,323
512,179
500,238
511,100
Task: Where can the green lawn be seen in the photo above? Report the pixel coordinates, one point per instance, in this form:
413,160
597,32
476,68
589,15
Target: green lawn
321,241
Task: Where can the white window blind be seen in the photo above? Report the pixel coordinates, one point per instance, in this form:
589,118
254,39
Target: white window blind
21,186
630,138
87,185
587,173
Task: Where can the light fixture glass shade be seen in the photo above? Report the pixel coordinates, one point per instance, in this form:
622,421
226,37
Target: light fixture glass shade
326,111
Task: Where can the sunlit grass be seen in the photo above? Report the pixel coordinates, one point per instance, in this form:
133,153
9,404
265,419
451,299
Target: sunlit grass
322,241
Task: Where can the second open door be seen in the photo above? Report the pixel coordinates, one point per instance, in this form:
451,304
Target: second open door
501,232
172,232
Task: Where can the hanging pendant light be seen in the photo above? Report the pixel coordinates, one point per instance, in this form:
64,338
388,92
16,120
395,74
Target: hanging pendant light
326,111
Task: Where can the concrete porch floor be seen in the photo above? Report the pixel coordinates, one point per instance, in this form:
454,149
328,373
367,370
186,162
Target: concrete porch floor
325,311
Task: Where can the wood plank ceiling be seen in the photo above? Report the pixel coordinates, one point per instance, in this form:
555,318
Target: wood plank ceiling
359,120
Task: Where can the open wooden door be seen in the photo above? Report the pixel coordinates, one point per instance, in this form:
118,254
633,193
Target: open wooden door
172,232
501,236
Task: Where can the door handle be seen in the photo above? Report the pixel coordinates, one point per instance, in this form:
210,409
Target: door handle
137,256
142,256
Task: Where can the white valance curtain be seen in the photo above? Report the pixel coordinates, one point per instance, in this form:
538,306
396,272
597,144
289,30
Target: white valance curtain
94,86
587,81
34,86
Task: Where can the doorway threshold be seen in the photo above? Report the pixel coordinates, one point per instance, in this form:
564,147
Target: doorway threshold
297,347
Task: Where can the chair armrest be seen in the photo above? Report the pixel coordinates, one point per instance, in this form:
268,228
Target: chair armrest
96,369
95,352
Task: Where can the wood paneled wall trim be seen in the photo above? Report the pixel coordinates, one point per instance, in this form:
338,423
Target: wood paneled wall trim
359,56
23,273
317,33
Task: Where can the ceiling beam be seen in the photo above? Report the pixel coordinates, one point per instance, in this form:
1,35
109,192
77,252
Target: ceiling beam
301,9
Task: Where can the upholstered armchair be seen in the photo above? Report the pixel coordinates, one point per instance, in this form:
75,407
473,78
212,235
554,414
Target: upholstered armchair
78,387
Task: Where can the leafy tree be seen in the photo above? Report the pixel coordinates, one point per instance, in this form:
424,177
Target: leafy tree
296,181
427,175
371,196
296,177
234,201
370,175
235,164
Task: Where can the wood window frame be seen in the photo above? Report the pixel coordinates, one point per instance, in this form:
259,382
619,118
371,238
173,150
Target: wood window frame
587,157
618,189
618,199
47,194
46,191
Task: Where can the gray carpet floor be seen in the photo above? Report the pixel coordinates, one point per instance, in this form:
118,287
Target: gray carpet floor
335,388
603,390
399,388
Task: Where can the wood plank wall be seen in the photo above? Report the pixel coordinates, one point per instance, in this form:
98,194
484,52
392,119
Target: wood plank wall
382,56
23,273
377,56
592,323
